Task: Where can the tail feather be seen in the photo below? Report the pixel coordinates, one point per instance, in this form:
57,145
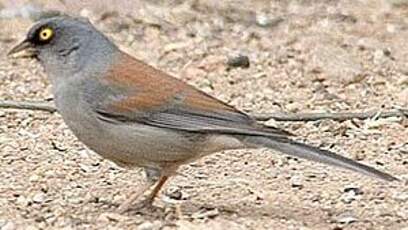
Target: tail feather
300,150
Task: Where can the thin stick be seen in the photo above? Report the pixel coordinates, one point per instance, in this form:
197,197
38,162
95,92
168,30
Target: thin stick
332,116
43,106
401,112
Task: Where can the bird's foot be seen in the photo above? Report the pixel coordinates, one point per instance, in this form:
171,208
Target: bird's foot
147,200
129,205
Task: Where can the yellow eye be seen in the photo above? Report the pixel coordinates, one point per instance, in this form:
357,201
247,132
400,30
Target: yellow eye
45,34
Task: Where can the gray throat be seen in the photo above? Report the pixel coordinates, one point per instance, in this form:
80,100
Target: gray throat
74,80
81,61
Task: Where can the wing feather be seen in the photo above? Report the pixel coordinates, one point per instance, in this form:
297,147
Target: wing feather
146,95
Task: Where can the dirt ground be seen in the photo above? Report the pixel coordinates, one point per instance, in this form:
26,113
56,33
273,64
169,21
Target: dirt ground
305,56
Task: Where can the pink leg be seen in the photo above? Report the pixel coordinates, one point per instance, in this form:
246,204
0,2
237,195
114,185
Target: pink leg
150,198
157,188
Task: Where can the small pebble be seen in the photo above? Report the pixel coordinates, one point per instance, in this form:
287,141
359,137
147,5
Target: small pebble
351,193
296,182
348,197
85,168
379,56
345,218
176,193
145,226
21,200
205,214
354,189
34,178
74,199
150,225
263,20
39,198
238,61
109,216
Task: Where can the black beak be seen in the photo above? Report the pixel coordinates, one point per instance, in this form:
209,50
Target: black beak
23,50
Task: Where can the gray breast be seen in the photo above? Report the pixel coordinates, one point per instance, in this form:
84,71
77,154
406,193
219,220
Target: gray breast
133,144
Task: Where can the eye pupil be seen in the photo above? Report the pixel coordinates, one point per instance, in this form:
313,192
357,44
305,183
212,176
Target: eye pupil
45,34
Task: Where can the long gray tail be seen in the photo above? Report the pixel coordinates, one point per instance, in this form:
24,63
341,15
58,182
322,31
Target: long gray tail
300,150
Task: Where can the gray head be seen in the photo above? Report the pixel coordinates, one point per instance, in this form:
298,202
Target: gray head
65,45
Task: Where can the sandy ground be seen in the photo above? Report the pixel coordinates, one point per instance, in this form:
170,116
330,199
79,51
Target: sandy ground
323,56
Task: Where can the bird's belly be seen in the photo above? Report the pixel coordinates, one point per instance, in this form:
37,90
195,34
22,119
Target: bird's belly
130,144
134,144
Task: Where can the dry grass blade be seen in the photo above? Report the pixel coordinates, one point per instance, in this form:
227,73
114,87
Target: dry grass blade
44,106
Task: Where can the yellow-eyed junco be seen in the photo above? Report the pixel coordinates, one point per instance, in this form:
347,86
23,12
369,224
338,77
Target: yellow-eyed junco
138,116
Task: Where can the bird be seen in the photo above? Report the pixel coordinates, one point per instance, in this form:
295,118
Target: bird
138,116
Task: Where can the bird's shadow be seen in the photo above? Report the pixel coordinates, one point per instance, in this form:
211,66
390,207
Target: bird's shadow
190,210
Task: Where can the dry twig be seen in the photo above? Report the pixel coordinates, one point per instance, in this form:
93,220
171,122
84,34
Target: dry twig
332,116
43,106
